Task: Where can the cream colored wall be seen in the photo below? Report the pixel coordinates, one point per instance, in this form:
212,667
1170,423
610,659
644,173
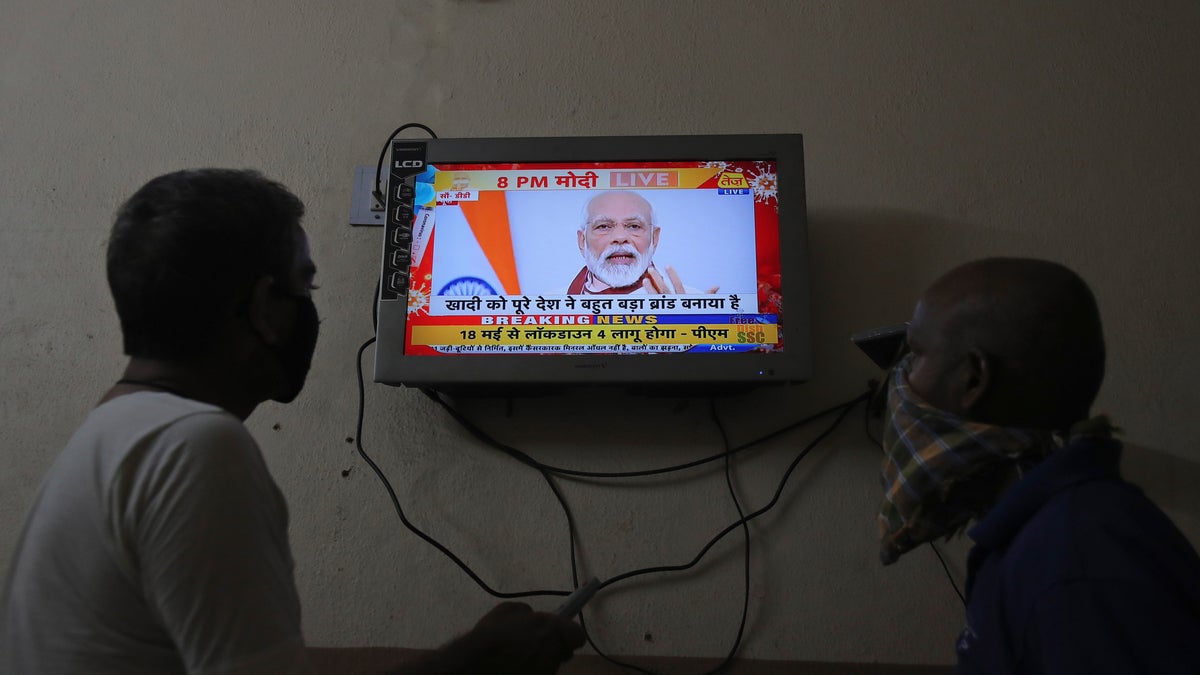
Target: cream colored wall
936,132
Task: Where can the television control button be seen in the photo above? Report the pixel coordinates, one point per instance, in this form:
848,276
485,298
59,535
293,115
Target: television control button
398,281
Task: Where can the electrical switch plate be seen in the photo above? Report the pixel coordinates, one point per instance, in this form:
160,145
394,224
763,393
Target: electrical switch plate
365,210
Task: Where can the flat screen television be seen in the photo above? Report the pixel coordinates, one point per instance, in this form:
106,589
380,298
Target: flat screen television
674,262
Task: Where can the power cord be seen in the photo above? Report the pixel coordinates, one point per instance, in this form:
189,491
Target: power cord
746,567
737,640
741,522
400,511
524,458
549,473
377,193
844,410
946,569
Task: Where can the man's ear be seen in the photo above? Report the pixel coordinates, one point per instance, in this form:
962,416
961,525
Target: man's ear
261,311
976,379
581,242
654,236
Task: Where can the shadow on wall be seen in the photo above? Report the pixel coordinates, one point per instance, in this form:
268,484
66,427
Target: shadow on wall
1168,480
869,267
882,259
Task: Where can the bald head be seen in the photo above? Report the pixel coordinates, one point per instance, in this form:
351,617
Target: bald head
624,202
1010,341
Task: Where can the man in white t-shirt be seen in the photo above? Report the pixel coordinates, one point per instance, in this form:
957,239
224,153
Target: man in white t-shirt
158,540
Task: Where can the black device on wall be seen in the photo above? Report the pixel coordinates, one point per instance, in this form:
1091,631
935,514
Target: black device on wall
646,261
883,345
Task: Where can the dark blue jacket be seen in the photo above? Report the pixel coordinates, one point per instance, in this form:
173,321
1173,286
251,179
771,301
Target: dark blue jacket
1076,571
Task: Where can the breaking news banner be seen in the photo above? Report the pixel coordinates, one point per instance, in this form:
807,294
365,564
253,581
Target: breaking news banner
585,323
596,257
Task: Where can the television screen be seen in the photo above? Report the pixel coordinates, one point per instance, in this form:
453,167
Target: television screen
627,260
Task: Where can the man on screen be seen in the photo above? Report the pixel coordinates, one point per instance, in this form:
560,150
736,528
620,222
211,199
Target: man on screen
617,239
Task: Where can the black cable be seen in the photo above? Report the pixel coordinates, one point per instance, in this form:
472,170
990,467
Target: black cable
737,641
742,522
547,473
400,511
562,501
846,408
530,461
549,477
746,568
622,664
949,576
378,191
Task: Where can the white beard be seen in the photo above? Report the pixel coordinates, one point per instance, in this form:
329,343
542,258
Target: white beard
614,274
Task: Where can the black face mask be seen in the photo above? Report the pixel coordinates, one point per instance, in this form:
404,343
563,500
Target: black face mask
296,354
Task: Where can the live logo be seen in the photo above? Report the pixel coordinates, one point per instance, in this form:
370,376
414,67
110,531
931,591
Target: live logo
650,179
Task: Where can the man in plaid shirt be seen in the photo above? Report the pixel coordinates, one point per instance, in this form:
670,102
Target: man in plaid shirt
1073,569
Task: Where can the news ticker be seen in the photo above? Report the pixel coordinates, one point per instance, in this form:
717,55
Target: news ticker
597,336
442,305
591,349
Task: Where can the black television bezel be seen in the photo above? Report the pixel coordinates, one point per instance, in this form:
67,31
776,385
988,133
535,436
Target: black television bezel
503,373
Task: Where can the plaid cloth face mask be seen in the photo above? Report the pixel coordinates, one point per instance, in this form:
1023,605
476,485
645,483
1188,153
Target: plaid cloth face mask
941,470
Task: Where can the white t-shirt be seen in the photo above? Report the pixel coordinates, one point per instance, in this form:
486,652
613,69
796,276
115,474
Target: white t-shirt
157,544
